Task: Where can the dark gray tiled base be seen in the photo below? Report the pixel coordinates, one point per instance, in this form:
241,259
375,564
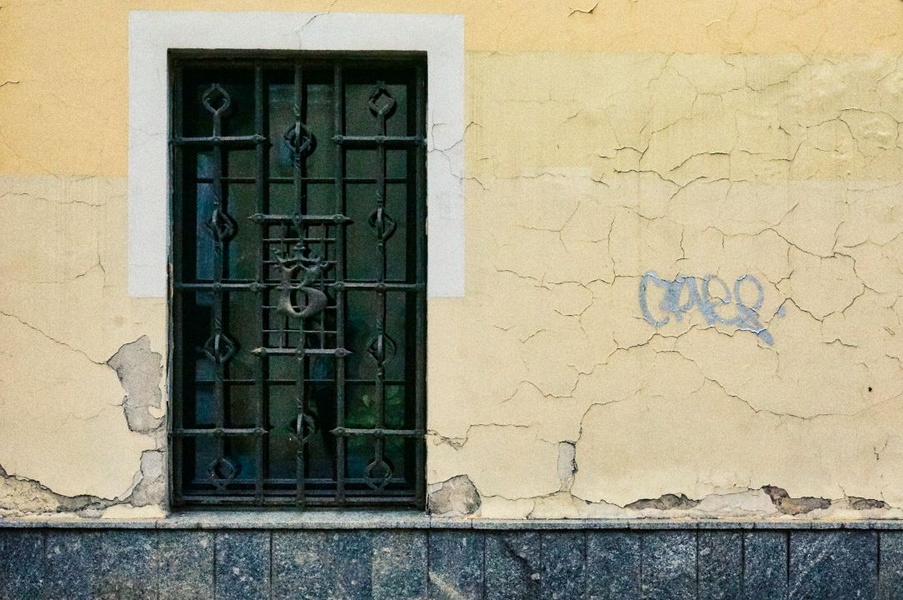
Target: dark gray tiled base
397,564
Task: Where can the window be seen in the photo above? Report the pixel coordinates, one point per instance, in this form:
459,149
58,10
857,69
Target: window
299,278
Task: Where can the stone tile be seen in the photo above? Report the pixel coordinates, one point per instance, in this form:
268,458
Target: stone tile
354,569
399,569
765,565
322,564
890,569
513,565
720,556
669,565
563,559
70,560
126,567
185,564
456,564
242,565
304,564
21,564
833,564
613,565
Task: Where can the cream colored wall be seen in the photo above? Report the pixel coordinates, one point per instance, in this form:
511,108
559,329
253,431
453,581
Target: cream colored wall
690,139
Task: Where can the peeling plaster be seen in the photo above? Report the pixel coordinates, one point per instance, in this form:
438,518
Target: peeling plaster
455,497
567,464
794,506
665,502
140,371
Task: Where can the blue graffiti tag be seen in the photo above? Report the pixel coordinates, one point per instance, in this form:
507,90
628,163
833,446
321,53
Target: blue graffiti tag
676,302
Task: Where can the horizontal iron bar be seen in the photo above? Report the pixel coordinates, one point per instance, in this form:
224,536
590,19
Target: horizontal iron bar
379,286
298,218
302,351
295,330
379,140
219,431
318,483
215,286
291,180
254,286
341,431
289,240
368,381
288,499
217,140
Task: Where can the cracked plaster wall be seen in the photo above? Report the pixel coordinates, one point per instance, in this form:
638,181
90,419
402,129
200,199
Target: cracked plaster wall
756,139
782,168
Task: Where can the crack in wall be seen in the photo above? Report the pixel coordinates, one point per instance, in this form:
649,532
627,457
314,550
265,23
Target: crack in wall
140,372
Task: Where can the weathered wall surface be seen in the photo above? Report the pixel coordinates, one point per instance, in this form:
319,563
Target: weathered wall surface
689,268
684,264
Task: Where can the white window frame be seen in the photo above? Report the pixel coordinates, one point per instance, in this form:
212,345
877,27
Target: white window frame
153,33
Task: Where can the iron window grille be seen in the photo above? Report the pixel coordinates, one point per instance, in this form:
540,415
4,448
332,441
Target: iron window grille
299,279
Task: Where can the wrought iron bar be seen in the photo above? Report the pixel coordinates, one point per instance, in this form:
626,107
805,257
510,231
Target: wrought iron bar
300,209
379,432
420,311
260,126
388,286
340,208
382,105
219,229
363,141
220,432
216,139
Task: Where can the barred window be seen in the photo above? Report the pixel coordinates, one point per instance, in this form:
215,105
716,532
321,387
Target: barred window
299,278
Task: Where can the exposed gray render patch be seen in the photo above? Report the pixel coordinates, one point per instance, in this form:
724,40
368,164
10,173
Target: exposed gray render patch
567,464
150,489
457,497
666,502
19,495
140,371
794,506
858,503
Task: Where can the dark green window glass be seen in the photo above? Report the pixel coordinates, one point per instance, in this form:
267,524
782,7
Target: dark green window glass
299,279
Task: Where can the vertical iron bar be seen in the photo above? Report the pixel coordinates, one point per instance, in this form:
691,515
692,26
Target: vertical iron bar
420,235
380,393
176,324
262,149
300,209
219,205
339,102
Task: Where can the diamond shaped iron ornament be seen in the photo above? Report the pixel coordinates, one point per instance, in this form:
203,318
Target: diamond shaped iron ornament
220,348
381,102
381,224
302,427
378,473
381,348
221,225
300,141
216,100
222,472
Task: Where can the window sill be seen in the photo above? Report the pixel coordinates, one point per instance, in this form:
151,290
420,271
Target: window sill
382,520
